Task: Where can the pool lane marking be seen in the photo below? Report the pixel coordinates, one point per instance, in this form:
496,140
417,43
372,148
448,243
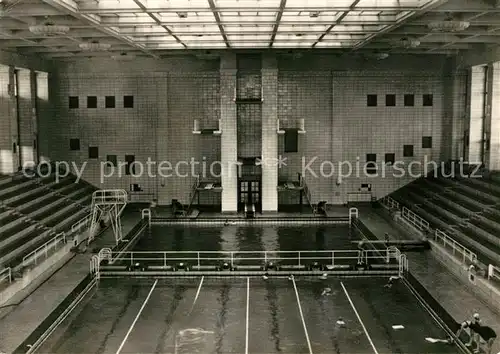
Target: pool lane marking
197,294
302,316
137,317
248,315
359,319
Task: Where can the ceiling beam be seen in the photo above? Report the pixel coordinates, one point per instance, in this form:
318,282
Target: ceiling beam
158,22
341,17
432,4
71,8
277,23
215,12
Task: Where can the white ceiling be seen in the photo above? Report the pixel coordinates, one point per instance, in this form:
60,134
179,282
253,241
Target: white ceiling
162,27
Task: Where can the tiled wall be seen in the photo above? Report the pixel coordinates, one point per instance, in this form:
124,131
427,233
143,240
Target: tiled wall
333,103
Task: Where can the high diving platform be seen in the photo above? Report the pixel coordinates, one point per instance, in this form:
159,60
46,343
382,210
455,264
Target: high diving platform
107,207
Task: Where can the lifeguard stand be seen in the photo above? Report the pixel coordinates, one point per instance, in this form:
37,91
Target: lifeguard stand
107,204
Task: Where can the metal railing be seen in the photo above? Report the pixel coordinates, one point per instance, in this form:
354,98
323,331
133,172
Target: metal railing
249,258
110,196
83,223
414,219
6,275
465,255
494,274
391,203
45,251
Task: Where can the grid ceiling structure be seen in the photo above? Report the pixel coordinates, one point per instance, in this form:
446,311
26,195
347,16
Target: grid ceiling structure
159,27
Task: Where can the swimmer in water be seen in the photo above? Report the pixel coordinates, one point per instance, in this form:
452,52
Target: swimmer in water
391,281
326,291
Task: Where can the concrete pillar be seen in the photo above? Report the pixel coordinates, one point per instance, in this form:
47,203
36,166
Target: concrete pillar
476,114
493,122
7,156
42,115
229,141
269,186
25,116
455,92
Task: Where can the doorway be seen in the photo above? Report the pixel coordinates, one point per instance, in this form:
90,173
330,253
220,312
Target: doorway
249,193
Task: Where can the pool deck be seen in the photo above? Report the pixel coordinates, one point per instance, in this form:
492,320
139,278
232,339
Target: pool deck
457,299
28,313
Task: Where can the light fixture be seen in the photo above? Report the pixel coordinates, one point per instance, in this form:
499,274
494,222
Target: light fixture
123,57
408,42
314,14
48,29
182,14
448,26
94,46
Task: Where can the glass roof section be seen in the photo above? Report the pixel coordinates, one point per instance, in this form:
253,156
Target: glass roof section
203,24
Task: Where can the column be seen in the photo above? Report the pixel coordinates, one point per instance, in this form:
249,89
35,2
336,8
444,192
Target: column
455,93
476,114
229,141
42,115
269,186
25,116
493,152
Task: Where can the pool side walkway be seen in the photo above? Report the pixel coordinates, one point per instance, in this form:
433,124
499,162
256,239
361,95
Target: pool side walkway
31,311
457,300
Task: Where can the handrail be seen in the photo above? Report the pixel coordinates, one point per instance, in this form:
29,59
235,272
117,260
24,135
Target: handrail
414,219
52,244
465,254
493,273
192,195
6,275
111,196
391,203
329,257
82,223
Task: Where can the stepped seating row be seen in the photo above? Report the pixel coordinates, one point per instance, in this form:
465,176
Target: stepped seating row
468,208
33,210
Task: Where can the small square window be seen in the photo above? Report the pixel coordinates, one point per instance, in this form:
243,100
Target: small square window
110,102
74,144
371,165
130,166
91,101
371,100
74,102
390,158
128,101
409,100
390,100
371,157
427,100
427,142
93,152
407,150
112,160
